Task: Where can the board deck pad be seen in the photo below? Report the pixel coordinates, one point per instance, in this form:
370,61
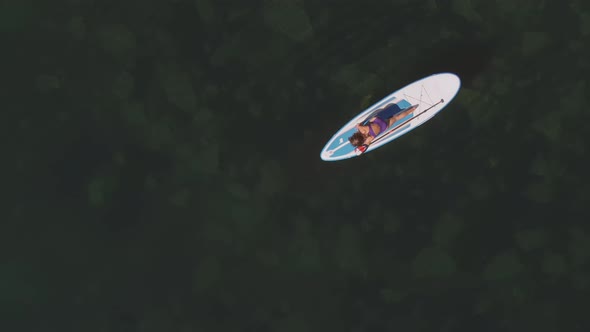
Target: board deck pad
431,94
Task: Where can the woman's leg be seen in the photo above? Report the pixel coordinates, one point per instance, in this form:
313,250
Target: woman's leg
389,111
401,114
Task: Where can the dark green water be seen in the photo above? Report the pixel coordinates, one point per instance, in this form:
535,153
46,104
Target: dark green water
162,169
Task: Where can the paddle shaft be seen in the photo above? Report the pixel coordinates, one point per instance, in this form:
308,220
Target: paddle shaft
408,120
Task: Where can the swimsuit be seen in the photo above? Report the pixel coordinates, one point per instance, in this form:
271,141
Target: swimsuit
382,126
382,118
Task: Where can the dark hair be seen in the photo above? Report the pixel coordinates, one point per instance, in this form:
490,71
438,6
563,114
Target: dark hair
356,139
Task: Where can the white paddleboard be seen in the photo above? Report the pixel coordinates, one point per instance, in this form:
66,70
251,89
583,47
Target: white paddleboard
431,94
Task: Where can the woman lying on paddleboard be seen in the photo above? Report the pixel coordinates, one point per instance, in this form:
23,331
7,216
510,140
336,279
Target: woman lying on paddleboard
378,124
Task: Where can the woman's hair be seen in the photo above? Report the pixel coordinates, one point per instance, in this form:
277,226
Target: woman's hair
356,139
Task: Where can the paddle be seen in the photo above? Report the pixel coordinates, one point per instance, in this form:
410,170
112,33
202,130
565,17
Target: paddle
389,131
403,123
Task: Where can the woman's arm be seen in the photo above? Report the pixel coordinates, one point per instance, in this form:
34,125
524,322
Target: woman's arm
358,125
